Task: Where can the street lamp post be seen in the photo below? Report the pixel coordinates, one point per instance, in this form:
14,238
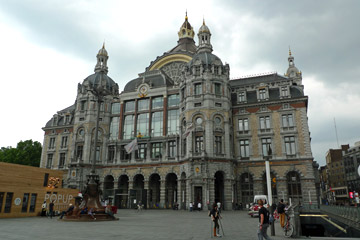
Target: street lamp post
269,191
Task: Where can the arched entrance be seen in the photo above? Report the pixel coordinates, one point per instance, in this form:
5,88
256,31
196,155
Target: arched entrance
122,193
183,190
108,193
138,193
219,188
171,190
273,187
154,191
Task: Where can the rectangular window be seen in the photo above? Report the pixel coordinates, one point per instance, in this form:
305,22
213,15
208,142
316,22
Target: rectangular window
82,105
111,153
287,120
141,153
49,160
184,147
242,97
183,93
197,88
62,160
114,128
262,94
290,145
128,127
156,151
130,106
197,71
172,149
217,89
8,202
25,202
52,143
143,124
2,194
115,108
173,121
67,119
157,124
218,145
265,122
143,104
124,155
157,103
173,100
244,148
244,125
284,91
199,144
33,202
79,152
64,140
266,146
216,70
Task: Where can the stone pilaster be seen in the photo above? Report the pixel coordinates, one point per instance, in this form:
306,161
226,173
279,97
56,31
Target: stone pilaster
162,193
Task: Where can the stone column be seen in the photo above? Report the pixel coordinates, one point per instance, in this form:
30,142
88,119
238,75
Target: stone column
228,189
146,187
179,193
162,193
131,185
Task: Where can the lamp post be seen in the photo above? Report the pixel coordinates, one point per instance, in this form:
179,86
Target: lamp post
269,191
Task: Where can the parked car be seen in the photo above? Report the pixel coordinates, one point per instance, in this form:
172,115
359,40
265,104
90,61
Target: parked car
254,207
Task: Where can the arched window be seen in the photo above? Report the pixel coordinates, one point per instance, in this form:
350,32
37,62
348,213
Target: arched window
294,187
247,188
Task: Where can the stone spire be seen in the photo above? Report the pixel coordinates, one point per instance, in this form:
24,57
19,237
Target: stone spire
292,71
102,57
204,39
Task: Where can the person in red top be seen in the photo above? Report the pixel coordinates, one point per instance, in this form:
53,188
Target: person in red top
263,221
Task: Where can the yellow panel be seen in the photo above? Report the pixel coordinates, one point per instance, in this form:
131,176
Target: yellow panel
172,58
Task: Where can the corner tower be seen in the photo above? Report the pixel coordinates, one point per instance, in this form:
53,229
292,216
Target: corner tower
205,122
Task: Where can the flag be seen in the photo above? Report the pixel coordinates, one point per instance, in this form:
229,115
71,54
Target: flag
130,147
188,130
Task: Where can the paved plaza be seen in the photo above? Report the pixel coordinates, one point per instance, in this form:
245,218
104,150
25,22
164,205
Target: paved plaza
148,224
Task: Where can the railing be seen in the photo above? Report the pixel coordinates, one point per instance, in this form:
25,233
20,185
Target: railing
346,214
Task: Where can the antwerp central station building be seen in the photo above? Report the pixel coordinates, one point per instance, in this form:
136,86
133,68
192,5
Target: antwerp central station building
197,135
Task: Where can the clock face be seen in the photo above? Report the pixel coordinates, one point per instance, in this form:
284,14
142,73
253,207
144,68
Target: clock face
143,89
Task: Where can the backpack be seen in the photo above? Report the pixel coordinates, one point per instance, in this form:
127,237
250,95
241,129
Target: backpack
268,217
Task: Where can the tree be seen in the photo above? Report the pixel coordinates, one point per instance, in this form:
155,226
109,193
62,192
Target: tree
26,153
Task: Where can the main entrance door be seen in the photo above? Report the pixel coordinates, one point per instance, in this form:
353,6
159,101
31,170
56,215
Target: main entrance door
197,196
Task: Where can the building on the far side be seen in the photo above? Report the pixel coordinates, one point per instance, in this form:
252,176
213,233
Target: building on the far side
351,166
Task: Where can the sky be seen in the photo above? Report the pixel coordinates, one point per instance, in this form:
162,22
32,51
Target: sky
48,47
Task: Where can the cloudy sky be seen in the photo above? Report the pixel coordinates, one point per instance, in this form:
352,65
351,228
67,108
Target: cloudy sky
48,47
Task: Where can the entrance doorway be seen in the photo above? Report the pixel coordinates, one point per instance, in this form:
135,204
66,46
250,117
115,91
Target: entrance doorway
219,188
197,196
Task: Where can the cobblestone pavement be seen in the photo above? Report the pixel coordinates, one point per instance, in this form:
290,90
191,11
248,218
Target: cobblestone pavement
148,224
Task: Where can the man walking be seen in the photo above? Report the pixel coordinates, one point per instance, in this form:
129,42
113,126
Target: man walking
281,212
214,213
263,221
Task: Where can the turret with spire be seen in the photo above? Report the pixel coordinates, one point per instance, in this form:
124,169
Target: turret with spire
204,39
102,57
292,71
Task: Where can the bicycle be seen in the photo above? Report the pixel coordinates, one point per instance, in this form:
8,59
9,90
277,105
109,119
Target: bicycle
288,228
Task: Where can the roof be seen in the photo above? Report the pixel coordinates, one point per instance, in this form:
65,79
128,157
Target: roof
154,79
257,79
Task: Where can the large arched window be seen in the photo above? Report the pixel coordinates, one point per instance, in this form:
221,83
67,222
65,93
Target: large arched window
273,187
294,187
247,188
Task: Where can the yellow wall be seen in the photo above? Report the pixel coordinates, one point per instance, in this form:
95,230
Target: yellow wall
20,179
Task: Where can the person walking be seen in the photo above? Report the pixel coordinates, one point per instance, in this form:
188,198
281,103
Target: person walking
191,206
43,209
281,212
219,206
214,214
199,206
51,209
263,221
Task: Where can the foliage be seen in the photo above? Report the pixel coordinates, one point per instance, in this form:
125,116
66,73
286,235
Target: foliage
26,153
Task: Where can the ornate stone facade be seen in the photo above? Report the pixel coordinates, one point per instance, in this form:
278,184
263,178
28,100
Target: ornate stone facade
201,137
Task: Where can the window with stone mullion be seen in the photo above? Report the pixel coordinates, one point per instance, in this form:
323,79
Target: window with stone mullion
143,124
287,120
199,144
141,153
156,151
244,148
266,145
114,128
128,131
172,149
265,122
173,121
290,145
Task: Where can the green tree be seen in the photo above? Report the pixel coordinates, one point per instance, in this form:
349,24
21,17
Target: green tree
26,153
